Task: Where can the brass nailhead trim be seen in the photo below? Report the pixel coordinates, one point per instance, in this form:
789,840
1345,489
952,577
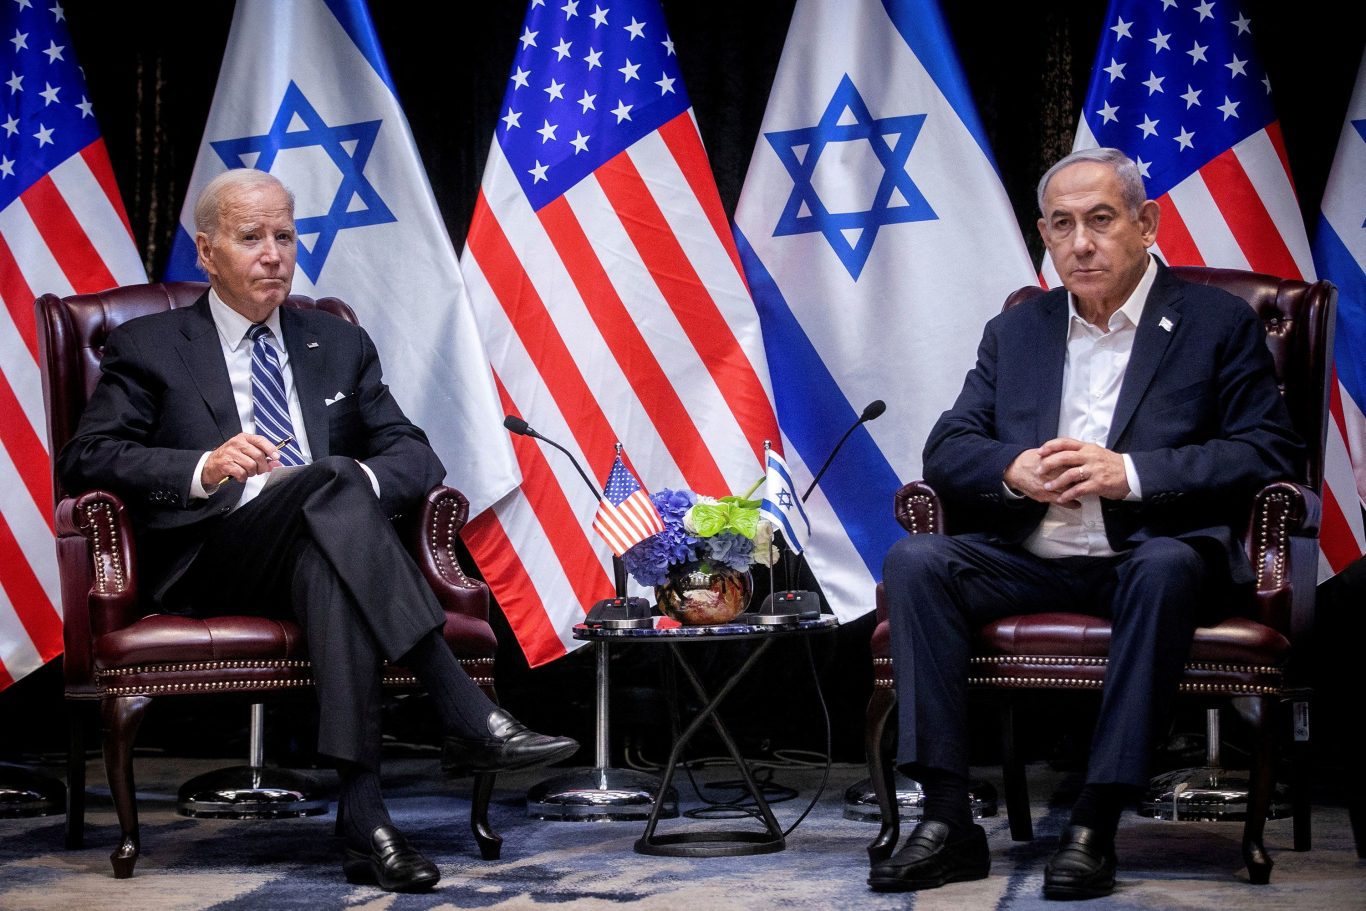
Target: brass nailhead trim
102,524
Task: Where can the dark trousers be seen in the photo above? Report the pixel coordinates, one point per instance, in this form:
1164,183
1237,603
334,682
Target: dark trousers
317,544
941,589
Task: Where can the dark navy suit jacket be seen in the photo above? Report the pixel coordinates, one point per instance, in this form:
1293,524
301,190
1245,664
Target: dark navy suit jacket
1199,412
164,399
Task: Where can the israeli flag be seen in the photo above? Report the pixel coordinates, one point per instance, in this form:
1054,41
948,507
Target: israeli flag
877,240
305,93
1340,256
782,507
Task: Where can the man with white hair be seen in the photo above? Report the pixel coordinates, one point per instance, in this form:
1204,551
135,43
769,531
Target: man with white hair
1101,454
195,412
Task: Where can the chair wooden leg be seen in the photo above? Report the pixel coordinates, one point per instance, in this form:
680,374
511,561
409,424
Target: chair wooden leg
878,742
1012,770
75,777
121,717
490,842
1261,780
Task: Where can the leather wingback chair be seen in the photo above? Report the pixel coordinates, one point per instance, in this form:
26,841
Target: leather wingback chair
121,657
1250,658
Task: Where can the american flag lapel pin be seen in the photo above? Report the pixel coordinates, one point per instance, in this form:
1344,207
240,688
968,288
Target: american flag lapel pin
1165,324
312,344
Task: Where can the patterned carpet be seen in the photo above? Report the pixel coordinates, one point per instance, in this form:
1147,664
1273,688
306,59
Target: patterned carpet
194,865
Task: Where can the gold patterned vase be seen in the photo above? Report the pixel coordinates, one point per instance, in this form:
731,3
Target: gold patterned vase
695,597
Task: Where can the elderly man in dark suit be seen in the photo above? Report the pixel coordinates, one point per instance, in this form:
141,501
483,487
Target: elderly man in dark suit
263,457
1100,455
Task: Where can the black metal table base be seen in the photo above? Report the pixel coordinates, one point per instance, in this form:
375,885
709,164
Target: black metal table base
711,844
722,843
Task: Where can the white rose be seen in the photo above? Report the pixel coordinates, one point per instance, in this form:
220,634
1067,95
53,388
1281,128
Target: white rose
764,551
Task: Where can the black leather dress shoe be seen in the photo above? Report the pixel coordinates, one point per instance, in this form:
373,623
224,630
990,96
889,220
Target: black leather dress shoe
1082,867
508,745
930,859
391,863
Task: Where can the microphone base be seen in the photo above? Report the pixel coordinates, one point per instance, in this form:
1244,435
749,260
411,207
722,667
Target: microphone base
786,608
620,613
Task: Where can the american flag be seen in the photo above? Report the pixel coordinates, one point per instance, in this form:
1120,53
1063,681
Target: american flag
63,230
625,514
1178,86
609,295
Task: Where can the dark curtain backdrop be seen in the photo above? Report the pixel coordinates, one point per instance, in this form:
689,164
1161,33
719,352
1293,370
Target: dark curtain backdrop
152,67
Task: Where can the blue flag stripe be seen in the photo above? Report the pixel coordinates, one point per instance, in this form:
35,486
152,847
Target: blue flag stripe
811,408
355,20
921,25
1335,261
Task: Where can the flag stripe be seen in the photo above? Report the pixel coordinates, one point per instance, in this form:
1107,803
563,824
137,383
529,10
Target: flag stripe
18,299
41,622
632,352
25,450
497,557
1174,237
687,296
514,290
1247,218
562,524
1205,221
685,145
96,157
64,236
1264,167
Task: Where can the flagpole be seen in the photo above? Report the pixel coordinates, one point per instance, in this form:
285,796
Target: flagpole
601,793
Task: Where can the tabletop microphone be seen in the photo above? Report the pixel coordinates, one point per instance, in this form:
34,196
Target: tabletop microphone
618,611
871,413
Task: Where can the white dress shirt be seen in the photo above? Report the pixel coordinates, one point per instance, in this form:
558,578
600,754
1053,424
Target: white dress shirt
232,336
1092,376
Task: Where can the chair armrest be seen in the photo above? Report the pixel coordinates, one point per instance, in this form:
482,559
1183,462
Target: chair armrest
432,540
919,509
95,559
1283,547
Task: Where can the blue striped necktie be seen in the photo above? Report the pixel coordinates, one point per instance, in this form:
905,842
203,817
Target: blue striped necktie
270,405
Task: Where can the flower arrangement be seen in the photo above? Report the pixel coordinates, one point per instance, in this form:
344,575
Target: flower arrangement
701,534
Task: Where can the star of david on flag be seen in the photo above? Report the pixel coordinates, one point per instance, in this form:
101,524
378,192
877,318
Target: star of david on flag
870,284
304,93
896,199
356,204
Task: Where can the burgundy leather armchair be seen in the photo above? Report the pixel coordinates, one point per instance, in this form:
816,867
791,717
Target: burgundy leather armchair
1255,659
121,657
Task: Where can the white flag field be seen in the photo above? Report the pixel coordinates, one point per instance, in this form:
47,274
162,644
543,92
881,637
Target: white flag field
305,94
877,240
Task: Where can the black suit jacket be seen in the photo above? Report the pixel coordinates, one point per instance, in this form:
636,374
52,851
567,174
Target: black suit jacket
164,399
1199,412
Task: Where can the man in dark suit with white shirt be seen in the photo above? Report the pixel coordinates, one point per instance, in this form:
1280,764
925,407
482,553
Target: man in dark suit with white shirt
197,410
1100,455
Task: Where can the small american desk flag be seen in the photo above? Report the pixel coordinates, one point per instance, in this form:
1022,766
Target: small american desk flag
625,514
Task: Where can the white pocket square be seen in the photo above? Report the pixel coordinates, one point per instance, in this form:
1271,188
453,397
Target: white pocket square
335,399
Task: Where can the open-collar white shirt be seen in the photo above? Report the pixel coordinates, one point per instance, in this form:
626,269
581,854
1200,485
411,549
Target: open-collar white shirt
1092,376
